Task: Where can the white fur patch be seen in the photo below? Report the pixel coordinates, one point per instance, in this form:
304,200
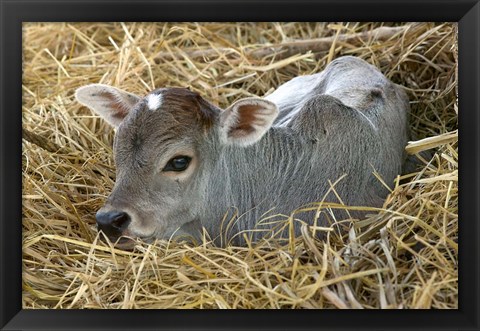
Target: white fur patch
293,94
154,101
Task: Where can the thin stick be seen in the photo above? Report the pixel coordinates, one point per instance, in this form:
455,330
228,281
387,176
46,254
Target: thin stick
284,50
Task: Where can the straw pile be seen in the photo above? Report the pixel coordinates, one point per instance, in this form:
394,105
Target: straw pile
403,256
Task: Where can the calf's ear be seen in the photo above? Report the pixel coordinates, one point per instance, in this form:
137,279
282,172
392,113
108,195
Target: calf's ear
246,121
109,102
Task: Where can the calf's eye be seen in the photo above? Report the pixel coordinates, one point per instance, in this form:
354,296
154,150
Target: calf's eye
178,163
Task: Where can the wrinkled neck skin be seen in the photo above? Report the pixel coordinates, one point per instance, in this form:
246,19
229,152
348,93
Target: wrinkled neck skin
282,172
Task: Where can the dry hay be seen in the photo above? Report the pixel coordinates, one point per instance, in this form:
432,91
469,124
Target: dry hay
403,256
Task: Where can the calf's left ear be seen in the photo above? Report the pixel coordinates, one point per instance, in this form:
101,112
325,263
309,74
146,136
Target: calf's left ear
107,101
246,121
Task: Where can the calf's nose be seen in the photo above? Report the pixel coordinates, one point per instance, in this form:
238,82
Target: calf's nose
113,222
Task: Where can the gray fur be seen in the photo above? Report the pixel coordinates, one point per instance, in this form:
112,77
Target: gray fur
347,120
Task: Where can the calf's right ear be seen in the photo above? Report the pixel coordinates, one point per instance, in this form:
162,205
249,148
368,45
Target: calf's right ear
110,103
246,121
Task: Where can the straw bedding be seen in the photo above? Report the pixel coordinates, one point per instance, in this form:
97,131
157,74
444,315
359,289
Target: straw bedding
402,256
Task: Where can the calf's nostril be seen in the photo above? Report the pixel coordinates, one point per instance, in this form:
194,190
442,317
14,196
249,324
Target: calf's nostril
120,220
112,220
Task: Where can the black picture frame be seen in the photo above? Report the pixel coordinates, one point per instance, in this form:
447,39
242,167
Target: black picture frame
14,12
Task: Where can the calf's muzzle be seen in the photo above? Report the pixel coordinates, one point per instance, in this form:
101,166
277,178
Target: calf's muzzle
112,223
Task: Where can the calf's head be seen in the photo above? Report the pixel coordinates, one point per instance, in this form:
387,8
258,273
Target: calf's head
165,143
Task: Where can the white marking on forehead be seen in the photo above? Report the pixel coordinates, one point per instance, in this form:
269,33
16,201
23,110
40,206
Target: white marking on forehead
154,101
